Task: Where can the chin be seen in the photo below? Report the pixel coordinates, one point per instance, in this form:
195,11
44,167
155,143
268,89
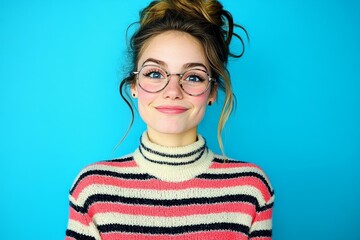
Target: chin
174,129
170,131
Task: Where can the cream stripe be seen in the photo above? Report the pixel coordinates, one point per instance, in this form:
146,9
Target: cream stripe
115,218
112,169
83,229
169,194
159,158
261,225
73,200
235,170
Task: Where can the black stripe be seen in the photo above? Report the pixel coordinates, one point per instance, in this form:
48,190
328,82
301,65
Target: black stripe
78,236
226,160
174,230
266,207
182,155
77,208
125,159
215,176
172,163
135,176
261,233
167,202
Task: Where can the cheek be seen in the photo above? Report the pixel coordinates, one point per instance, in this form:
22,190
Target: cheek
200,102
144,98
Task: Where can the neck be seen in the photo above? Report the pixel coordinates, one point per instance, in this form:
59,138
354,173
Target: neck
173,164
172,139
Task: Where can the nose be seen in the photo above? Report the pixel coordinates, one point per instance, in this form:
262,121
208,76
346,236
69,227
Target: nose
173,89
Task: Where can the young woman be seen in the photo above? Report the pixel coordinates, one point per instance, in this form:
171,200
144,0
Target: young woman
173,186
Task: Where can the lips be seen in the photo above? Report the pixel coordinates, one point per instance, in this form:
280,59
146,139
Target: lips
171,109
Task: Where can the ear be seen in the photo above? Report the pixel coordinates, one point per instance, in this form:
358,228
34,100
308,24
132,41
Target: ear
213,93
133,90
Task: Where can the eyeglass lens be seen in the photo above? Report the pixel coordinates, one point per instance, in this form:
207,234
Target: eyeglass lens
154,79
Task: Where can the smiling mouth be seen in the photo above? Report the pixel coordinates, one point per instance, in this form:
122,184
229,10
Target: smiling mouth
171,109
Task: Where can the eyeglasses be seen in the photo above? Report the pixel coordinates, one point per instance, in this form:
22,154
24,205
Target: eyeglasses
153,79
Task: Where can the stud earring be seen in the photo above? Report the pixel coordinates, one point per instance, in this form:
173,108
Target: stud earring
133,94
209,103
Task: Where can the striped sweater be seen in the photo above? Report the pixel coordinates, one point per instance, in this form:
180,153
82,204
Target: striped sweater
171,193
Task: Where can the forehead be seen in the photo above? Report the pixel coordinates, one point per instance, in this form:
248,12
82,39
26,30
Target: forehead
174,49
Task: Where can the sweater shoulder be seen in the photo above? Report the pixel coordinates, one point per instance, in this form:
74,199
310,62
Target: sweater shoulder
223,162
105,171
104,166
242,172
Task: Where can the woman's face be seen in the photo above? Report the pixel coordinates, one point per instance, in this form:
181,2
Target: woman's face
171,113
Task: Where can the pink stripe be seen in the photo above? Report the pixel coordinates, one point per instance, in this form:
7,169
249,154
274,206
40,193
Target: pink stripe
233,165
213,235
154,184
175,211
79,217
266,215
118,164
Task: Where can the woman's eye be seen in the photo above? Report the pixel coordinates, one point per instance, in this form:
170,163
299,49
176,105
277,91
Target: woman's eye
194,78
154,74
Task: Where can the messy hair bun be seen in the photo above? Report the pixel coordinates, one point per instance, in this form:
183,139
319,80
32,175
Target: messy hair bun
208,10
207,21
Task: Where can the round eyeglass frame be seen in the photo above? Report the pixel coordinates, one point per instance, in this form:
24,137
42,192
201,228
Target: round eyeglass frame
180,75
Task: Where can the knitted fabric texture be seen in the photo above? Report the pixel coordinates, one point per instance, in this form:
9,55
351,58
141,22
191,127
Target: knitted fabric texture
171,193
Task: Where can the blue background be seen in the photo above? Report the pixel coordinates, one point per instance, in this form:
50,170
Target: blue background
298,108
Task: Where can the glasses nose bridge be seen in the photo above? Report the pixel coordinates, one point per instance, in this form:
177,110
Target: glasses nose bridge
180,75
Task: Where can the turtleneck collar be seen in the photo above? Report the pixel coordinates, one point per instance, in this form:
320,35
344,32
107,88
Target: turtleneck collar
173,164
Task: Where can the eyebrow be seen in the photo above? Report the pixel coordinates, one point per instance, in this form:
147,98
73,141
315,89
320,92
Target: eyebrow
186,65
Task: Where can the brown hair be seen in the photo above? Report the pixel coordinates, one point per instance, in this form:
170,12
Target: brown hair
207,21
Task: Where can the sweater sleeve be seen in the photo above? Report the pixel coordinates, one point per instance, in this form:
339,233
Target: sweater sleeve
261,228
80,224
